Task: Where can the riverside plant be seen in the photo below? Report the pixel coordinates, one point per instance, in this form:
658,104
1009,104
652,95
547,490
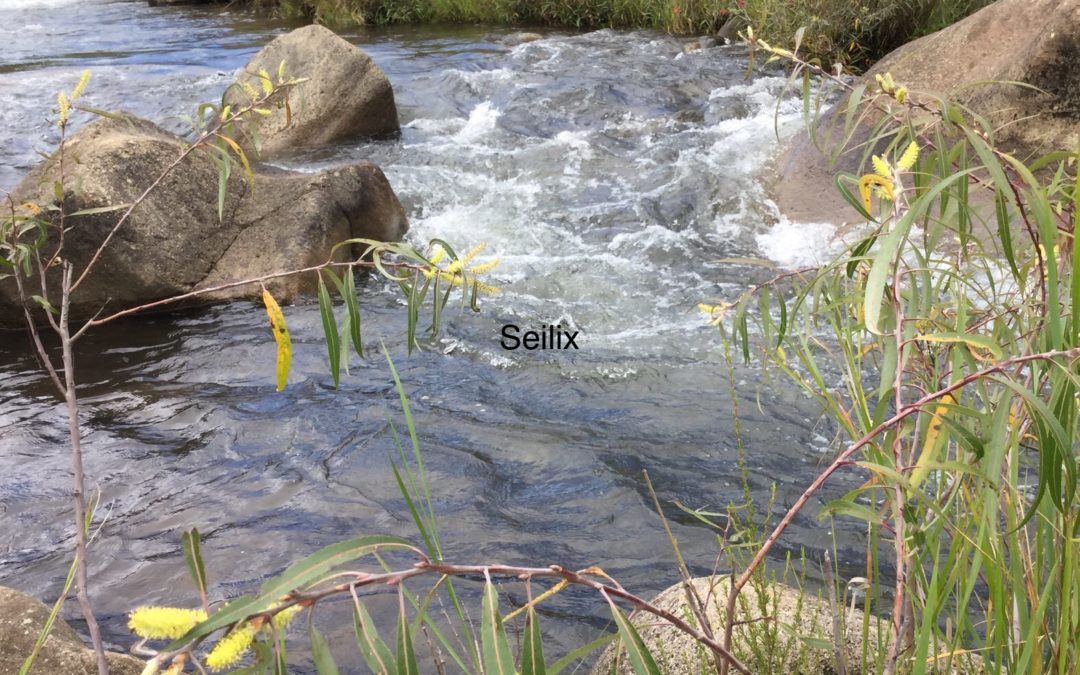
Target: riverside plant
854,33
32,252
944,346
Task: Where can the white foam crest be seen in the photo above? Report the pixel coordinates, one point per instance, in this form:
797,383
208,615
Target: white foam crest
650,236
489,76
433,127
800,244
32,4
482,121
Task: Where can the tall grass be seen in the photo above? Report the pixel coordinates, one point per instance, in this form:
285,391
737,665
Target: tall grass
681,16
854,32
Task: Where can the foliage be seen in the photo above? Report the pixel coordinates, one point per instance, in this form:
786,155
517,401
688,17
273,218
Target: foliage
944,346
679,16
854,33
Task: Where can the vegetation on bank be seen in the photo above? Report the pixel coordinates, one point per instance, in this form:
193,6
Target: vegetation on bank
854,32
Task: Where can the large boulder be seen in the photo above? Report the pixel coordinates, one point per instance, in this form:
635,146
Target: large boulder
63,653
175,241
976,62
799,615
346,96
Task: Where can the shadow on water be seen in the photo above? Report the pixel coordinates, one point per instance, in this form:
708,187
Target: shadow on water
610,172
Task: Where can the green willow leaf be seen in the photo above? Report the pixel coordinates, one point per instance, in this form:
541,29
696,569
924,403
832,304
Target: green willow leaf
353,308
498,659
532,651
330,328
640,658
891,244
320,653
406,653
375,652
190,542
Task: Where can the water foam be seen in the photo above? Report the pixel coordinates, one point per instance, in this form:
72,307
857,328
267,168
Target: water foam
482,121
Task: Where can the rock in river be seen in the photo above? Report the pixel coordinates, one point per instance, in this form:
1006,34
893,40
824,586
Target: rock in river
175,241
21,619
346,95
977,62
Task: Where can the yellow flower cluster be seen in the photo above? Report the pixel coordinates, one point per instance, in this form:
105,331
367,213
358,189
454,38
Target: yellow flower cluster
231,648
716,312
882,180
170,623
456,272
164,623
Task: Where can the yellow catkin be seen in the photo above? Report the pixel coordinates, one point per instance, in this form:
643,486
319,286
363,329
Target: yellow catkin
230,648
484,267
80,88
282,618
881,167
910,156
164,623
460,263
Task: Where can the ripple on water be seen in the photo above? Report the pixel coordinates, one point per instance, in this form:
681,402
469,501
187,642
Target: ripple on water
610,174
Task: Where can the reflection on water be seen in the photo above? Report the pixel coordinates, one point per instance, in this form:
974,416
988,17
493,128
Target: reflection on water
609,171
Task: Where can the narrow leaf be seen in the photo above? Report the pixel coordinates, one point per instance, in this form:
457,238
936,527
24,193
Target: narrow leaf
532,651
498,659
640,659
406,654
330,328
281,336
320,653
190,542
372,647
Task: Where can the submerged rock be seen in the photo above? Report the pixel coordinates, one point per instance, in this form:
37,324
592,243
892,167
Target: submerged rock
346,96
976,62
63,653
175,241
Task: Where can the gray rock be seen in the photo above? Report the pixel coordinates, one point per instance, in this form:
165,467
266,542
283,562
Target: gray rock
1031,41
346,95
175,242
677,653
21,620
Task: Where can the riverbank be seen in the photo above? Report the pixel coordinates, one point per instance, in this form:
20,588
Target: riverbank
854,33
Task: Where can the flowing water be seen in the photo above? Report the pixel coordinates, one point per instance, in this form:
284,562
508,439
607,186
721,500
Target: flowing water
610,172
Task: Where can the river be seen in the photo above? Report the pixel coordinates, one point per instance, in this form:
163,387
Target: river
611,172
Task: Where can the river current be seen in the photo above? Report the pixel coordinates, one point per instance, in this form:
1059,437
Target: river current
610,171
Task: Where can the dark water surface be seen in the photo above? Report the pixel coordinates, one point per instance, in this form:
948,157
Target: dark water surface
609,171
